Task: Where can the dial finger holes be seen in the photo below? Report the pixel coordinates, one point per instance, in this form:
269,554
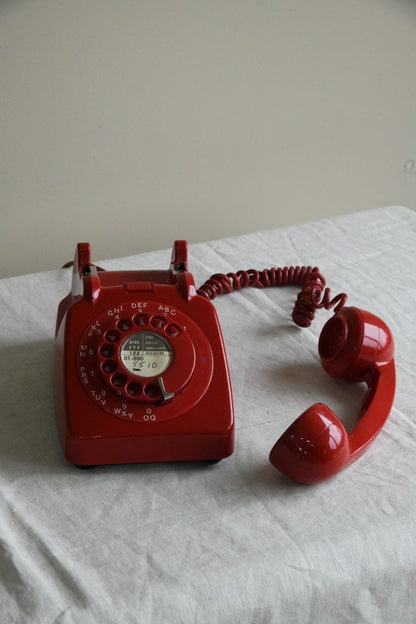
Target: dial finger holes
173,330
152,391
158,321
141,320
134,389
112,335
107,351
124,325
109,366
119,380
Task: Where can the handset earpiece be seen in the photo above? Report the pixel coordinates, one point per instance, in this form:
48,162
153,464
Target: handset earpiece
354,346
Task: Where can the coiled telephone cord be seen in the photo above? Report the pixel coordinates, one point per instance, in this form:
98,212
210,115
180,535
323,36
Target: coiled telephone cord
313,295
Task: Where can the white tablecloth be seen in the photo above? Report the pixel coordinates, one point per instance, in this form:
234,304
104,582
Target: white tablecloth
235,542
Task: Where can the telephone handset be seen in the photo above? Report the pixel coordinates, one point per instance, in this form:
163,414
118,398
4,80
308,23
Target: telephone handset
141,370
354,346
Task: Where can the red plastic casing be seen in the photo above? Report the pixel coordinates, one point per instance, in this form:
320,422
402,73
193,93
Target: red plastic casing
354,346
108,412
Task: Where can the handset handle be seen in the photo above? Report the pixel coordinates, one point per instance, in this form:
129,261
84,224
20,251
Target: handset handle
381,381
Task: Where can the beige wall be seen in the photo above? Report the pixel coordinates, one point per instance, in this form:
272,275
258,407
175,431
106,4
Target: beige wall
129,124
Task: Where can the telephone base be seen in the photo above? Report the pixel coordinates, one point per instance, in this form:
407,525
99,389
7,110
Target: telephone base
141,373
87,453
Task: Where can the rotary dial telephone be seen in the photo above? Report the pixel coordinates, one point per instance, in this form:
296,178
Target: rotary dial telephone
141,370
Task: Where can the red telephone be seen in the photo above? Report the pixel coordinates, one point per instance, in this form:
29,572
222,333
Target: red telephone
354,345
141,370
140,366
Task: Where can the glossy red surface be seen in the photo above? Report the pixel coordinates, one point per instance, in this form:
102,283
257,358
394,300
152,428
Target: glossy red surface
314,448
108,411
113,411
354,346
